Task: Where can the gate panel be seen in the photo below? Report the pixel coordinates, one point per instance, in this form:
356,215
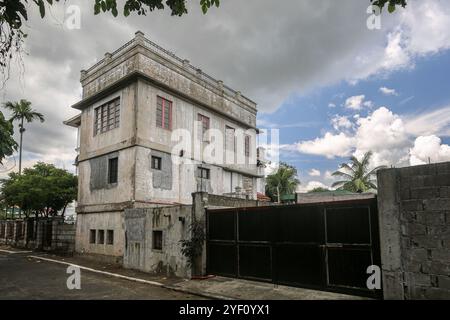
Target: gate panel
299,264
222,259
325,246
255,261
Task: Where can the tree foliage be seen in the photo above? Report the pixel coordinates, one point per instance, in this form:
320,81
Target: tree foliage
318,190
7,143
42,190
192,248
22,110
391,4
356,175
282,182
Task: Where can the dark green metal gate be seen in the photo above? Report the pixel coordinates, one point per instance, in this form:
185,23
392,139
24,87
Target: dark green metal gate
326,246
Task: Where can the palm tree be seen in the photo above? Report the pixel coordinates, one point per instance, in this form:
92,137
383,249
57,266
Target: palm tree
22,111
356,174
283,182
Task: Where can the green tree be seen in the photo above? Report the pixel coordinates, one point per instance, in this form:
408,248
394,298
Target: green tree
356,174
22,111
7,144
318,189
282,182
42,190
391,4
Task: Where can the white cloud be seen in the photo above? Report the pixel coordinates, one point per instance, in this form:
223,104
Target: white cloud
429,149
430,122
384,134
311,185
330,145
314,173
358,102
341,122
388,92
331,105
355,102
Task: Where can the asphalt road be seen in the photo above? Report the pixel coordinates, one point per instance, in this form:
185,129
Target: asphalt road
30,279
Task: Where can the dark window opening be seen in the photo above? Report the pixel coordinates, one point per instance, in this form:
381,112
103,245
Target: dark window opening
110,237
157,240
101,236
113,166
156,163
203,173
92,236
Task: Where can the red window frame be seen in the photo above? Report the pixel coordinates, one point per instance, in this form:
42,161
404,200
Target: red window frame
165,103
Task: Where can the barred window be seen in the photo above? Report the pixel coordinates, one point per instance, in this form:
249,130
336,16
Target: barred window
164,113
204,173
107,116
113,168
247,146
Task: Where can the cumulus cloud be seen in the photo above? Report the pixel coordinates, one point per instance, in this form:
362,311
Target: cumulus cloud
388,92
355,102
331,105
388,135
341,122
429,149
330,145
383,133
314,173
311,185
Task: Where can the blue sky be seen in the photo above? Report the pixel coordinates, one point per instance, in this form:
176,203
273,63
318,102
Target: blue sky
421,88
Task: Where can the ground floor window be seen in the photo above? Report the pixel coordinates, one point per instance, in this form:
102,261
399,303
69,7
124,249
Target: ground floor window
157,240
110,237
92,236
101,237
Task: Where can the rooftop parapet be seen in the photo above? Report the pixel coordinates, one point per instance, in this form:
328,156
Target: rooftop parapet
141,40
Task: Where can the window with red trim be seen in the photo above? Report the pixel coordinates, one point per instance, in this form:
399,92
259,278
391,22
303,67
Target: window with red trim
164,113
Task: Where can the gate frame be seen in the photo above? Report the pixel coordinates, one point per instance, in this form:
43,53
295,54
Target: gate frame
372,205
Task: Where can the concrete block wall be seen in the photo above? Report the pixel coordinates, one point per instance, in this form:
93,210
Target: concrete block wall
414,214
14,233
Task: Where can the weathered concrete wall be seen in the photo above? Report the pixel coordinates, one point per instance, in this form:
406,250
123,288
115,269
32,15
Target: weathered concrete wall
414,215
101,221
94,145
331,197
93,181
139,254
29,234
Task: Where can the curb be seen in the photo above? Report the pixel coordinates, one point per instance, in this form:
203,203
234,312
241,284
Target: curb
153,283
